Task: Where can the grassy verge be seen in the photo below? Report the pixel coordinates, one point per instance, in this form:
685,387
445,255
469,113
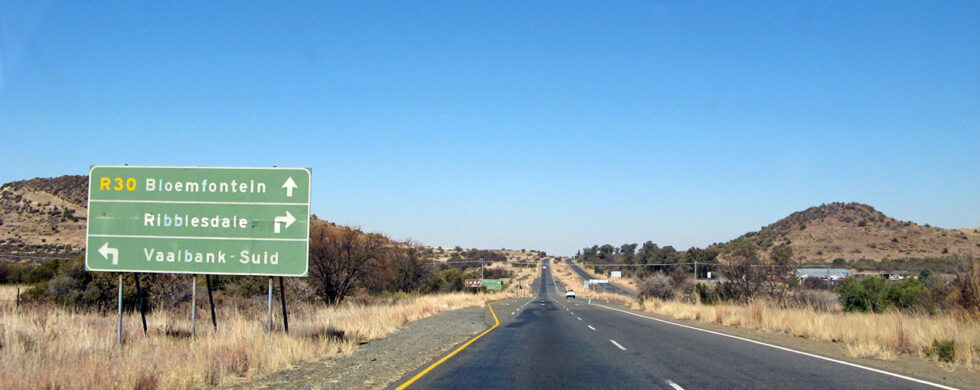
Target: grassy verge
51,347
955,340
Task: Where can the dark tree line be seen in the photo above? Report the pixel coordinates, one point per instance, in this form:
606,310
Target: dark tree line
650,258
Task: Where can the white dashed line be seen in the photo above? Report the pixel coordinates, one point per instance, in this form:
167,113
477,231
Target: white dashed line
579,318
674,385
617,344
590,327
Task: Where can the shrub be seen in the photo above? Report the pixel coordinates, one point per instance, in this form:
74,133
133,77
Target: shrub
657,286
4,272
863,294
905,294
707,295
678,279
944,350
876,295
968,285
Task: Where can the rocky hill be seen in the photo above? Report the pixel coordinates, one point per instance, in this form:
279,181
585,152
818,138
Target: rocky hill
854,231
42,218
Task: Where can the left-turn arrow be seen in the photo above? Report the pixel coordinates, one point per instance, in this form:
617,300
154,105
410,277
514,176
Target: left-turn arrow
106,251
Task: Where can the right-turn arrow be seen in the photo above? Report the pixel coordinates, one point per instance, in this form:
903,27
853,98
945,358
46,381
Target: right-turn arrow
288,220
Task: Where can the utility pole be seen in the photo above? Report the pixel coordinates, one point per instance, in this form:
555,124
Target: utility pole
481,267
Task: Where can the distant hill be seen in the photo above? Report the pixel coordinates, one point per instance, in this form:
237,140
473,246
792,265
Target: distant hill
43,217
854,231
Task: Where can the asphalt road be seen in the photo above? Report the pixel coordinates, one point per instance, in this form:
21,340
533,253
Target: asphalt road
607,287
548,342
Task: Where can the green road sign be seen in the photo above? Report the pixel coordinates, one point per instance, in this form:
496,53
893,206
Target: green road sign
492,284
229,221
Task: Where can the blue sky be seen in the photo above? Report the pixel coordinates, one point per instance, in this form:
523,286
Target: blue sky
545,125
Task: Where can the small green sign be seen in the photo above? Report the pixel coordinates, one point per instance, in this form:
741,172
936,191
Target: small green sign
492,284
228,221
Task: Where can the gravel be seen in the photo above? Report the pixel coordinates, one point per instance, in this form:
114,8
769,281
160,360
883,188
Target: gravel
377,364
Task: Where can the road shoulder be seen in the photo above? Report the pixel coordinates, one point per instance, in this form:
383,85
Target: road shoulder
379,363
905,365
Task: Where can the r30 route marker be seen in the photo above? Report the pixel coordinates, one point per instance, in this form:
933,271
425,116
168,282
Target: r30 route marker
199,220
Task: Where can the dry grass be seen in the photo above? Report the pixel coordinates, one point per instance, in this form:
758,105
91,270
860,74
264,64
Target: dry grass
628,283
563,272
51,347
8,292
522,276
882,336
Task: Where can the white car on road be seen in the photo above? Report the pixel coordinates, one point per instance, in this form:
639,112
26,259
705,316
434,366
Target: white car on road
569,294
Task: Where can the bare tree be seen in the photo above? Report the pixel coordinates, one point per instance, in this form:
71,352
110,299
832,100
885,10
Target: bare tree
411,265
778,272
339,258
742,268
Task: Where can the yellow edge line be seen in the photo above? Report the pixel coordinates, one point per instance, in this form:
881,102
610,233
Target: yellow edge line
436,364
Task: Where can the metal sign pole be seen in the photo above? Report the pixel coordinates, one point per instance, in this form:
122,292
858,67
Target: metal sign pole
119,325
193,307
270,305
139,301
214,320
282,298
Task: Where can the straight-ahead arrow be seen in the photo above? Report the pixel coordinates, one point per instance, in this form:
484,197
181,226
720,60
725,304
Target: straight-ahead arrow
105,251
288,220
289,185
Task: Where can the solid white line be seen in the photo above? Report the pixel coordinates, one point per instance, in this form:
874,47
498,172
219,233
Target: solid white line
617,344
590,327
790,350
674,385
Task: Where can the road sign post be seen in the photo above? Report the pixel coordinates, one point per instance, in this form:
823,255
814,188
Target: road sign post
224,221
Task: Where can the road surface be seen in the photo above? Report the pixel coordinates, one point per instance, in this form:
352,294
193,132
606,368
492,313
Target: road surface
548,342
607,287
